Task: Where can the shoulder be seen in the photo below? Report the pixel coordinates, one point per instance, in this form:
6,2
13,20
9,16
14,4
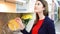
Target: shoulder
48,21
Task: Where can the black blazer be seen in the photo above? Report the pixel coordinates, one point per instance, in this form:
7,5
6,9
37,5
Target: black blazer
46,28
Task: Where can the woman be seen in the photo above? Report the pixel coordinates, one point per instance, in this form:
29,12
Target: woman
43,24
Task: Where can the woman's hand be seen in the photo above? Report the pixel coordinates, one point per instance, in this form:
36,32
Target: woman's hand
18,20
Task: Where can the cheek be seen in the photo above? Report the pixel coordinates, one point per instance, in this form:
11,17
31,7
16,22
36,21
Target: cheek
40,8
37,7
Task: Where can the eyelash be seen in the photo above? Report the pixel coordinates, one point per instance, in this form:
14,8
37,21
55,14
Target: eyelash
38,4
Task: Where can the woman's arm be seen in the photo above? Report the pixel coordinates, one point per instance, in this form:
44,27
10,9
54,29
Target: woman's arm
24,31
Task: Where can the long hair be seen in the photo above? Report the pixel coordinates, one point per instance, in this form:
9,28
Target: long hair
45,5
45,12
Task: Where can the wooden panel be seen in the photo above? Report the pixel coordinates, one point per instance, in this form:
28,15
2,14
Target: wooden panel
7,7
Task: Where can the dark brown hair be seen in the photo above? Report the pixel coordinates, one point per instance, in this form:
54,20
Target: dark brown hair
45,12
45,5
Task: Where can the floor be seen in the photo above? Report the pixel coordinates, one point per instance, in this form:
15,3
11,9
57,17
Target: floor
57,27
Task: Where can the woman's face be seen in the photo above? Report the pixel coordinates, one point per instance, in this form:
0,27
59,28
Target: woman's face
38,7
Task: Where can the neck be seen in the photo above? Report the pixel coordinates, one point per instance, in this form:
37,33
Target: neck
41,16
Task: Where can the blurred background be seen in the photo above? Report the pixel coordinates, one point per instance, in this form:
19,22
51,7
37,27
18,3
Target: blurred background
8,10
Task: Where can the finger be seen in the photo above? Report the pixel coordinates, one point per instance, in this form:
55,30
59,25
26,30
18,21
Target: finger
18,19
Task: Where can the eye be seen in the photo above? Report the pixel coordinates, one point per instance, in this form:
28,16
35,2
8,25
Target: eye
38,4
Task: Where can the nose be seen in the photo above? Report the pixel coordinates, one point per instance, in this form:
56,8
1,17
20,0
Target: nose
35,7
